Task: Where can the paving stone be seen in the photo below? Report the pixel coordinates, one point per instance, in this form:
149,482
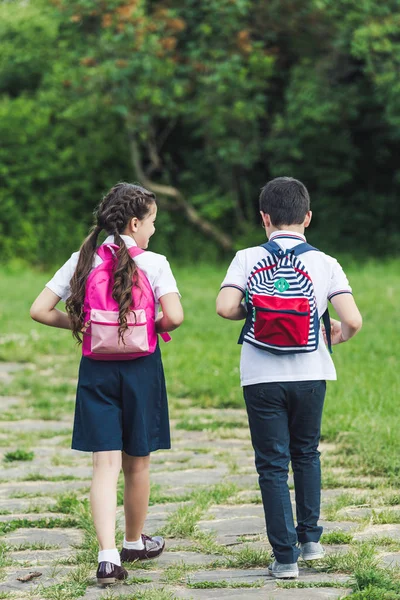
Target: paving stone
40,557
65,537
190,477
392,531
97,592
32,516
41,487
49,576
231,575
13,367
7,402
357,512
227,533
34,425
392,559
190,558
23,504
244,481
25,470
222,512
338,526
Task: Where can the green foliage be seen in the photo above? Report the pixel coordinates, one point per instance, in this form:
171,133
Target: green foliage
218,97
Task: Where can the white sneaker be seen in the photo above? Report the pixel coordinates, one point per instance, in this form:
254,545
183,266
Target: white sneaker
311,551
281,571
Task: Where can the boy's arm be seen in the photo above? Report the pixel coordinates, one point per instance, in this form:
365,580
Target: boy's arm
44,310
350,318
229,304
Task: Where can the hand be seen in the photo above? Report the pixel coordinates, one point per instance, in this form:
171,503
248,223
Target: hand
336,333
85,327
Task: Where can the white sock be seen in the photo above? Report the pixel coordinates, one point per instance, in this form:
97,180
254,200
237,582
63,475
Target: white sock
111,556
138,545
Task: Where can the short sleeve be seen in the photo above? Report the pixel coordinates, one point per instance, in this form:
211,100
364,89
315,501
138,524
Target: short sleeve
164,282
236,274
339,284
59,284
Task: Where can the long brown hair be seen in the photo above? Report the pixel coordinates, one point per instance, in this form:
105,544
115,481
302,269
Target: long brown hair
123,202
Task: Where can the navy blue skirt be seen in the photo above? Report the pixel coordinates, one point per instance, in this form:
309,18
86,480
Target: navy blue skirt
122,405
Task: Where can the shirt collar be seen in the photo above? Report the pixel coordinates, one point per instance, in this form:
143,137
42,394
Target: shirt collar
283,233
129,241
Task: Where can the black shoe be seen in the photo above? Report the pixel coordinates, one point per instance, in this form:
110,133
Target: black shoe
107,573
153,547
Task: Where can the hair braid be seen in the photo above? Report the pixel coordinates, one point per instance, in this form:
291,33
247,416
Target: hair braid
122,203
74,303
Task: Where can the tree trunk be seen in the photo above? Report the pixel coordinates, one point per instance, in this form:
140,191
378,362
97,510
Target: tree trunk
222,239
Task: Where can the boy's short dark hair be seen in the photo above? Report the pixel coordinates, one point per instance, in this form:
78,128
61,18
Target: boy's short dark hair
285,200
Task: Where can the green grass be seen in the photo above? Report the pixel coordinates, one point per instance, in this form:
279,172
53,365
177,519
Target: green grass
337,537
208,585
18,455
43,523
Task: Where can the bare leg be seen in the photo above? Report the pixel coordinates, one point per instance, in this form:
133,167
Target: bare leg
136,494
103,495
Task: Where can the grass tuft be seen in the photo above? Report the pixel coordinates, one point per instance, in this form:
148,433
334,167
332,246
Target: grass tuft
18,455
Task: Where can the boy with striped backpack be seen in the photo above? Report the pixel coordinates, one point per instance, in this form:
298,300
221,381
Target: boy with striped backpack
282,289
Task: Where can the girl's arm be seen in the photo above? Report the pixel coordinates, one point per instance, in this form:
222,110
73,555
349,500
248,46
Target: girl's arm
172,313
44,310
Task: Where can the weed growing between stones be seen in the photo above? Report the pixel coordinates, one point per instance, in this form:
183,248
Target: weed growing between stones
44,523
5,560
248,558
34,546
337,537
18,455
385,517
368,578
287,585
149,594
206,585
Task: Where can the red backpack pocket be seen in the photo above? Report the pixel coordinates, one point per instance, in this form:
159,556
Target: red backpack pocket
282,322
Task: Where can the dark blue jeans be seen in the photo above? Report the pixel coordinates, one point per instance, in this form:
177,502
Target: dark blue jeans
285,424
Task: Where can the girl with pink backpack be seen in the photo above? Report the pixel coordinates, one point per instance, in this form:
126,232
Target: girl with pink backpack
113,293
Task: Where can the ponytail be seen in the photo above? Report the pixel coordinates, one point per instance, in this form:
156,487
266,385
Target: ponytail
74,304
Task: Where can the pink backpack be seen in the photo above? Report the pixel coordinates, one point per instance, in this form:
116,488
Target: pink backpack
100,341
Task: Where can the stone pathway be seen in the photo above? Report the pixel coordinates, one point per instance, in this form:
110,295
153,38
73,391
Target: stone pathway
225,551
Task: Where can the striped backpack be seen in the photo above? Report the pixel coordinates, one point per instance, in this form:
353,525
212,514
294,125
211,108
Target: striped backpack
282,314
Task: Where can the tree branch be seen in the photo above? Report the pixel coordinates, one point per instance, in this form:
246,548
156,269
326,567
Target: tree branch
191,213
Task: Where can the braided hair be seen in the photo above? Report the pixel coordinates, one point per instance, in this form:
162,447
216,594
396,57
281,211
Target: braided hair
122,203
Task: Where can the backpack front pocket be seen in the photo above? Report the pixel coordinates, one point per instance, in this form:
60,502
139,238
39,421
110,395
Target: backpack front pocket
104,332
282,322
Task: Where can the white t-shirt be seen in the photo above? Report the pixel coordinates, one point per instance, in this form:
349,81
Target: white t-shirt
155,266
329,279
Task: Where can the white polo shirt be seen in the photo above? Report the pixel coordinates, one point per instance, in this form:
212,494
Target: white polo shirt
329,279
155,266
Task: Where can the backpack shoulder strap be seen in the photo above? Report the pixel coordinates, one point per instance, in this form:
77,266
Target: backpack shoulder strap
107,251
274,249
301,249
135,251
